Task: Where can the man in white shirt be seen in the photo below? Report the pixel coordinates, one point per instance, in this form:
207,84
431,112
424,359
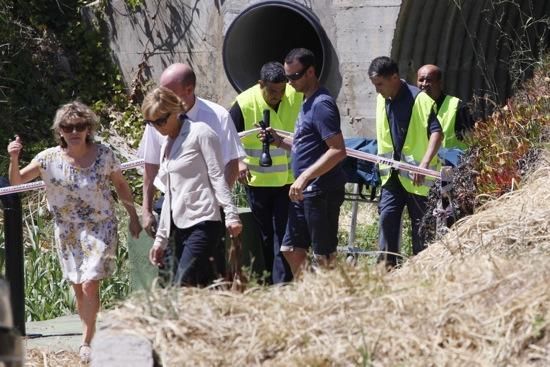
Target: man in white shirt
181,79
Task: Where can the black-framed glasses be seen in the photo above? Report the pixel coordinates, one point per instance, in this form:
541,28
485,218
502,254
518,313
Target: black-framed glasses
161,121
69,128
297,75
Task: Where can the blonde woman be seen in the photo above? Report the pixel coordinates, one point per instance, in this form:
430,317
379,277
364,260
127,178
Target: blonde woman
77,173
191,170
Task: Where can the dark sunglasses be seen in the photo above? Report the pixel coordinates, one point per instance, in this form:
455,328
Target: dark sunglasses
297,75
158,122
80,127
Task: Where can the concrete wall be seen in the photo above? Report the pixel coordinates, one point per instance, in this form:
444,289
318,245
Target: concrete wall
192,31
478,44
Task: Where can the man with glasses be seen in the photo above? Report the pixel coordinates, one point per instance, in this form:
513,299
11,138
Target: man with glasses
267,187
181,80
317,152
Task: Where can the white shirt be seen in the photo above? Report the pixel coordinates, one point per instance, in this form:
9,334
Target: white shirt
194,181
208,112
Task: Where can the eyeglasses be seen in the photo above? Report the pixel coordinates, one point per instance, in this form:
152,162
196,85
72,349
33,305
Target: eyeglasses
160,121
297,75
80,127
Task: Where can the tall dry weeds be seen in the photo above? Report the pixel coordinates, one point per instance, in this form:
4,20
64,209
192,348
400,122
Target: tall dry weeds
479,297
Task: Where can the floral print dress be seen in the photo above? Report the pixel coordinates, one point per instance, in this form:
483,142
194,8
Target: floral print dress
82,206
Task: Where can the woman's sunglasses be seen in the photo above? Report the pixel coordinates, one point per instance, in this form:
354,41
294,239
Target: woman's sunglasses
80,127
158,122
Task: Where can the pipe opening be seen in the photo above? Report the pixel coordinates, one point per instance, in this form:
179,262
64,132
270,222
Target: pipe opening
267,32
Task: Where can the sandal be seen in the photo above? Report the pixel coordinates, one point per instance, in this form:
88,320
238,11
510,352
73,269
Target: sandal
85,351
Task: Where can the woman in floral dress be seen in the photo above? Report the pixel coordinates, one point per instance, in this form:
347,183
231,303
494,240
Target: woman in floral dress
77,174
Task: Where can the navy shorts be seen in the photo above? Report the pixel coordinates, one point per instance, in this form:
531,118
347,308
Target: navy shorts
314,221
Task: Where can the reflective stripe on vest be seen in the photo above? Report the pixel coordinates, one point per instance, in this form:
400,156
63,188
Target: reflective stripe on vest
258,152
414,147
252,105
447,118
271,169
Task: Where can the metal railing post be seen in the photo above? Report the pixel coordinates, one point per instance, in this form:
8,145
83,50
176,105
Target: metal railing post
15,270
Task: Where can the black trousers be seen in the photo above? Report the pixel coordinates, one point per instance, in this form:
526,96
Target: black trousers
269,206
174,251
393,200
196,266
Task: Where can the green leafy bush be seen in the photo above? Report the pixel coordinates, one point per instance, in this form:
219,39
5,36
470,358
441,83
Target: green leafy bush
48,57
501,145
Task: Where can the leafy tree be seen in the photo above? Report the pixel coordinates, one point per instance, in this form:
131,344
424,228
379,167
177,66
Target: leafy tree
48,57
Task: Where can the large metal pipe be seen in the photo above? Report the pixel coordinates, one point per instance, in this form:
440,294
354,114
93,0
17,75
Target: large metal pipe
15,270
267,31
474,42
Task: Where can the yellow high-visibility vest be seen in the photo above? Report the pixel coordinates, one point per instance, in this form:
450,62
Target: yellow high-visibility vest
415,146
447,118
252,105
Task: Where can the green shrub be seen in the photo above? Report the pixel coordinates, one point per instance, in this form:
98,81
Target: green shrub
47,58
500,145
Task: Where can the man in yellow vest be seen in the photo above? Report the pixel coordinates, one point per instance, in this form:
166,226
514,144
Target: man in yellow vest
455,119
407,130
267,187
452,113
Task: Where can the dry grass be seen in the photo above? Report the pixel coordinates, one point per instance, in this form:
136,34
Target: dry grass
515,225
42,358
480,297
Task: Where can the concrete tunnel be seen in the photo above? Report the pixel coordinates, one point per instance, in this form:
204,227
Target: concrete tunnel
466,43
226,42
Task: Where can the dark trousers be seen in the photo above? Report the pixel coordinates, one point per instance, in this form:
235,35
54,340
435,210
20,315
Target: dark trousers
196,265
220,257
269,206
393,200
175,250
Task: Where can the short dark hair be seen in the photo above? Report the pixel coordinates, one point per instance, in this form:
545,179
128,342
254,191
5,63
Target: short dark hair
303,55
383,66
273,72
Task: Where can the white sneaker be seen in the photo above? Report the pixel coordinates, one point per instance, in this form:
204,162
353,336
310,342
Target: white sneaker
85,351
